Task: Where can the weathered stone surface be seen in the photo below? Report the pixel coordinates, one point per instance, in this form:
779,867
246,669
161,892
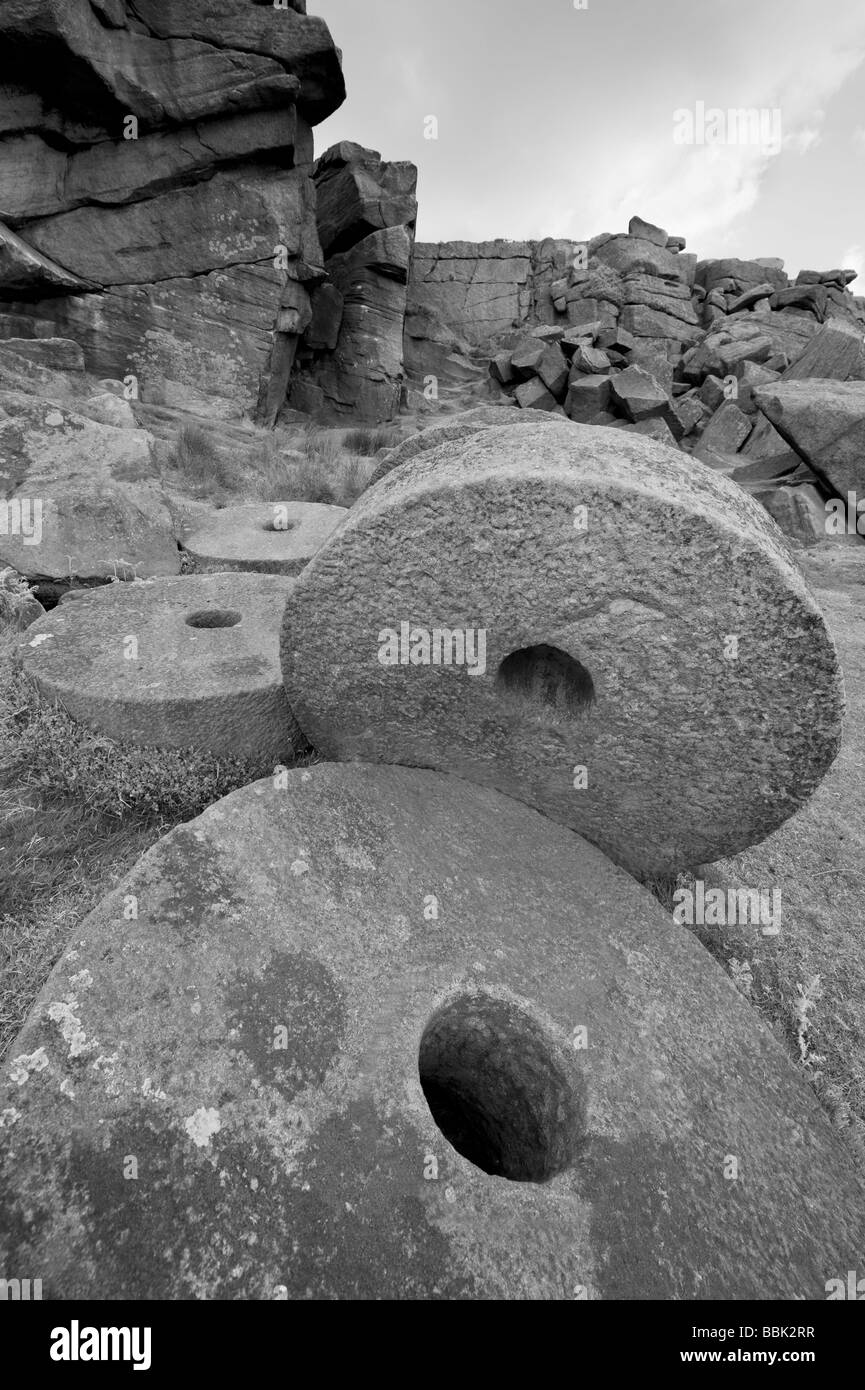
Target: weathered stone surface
478,288
58,354
533,395
196,60
647,231
484,535
432,349
638,393
45,445
727,430
38,180
837,351
586,396
646,322
458,427
206,673
742,275
751,297
25,271
232,219
202,344
266,538
634,256
358,193
295,916
113,532
362,378
799,511
824,421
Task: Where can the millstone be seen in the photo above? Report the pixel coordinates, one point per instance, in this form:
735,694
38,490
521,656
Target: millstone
584,619
368,1032
457,427
188,662
269,538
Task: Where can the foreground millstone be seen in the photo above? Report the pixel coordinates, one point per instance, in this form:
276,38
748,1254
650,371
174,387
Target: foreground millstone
366,1032
178,663
270,538
583,619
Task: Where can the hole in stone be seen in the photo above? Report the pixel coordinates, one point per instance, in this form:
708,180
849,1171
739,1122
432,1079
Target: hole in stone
499,1092
546,679
277,524
214,617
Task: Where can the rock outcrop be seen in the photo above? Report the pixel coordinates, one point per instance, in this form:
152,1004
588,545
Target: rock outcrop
156,195
352,357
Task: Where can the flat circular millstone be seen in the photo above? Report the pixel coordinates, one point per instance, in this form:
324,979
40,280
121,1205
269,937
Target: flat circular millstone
227,1088
268,538
584,619
177,663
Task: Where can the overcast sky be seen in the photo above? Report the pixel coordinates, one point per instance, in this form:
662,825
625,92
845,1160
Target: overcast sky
559,121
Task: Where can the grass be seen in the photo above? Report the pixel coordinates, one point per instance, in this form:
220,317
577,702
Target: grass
76,812
370,442
308,465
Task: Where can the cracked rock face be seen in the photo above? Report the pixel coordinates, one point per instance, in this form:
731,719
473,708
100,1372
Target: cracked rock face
369,1032
155,184
584,620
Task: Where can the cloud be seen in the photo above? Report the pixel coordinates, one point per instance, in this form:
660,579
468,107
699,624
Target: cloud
854,259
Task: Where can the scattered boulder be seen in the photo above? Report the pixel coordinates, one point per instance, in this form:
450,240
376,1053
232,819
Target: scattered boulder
799,511
824,421
114,532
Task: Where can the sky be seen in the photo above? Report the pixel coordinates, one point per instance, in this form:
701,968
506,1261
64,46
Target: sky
559,118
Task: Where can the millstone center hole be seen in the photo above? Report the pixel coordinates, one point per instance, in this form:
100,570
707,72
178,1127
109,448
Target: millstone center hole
214,617
498,1091
280,526
546,678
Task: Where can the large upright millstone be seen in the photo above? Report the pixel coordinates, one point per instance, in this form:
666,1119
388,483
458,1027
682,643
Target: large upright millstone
368,1032
584,619
266,538
177,663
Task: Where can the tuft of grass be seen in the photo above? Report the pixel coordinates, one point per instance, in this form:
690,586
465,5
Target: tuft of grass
15,599
316,469
204,469
369,442
76,812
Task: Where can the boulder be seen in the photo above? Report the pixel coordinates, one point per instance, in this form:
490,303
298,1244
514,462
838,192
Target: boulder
727,430
824,421
587,395
799,511
344,1073
358,193
639,395
534,395
837,351
203,671
646,231
44,444
113,532
504,607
